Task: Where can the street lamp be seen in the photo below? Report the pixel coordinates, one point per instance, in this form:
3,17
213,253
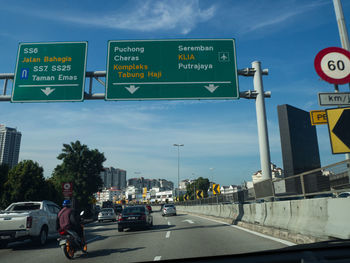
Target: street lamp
178,167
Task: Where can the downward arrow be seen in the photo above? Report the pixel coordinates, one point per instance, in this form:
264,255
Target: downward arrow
47,91
211,87
132,89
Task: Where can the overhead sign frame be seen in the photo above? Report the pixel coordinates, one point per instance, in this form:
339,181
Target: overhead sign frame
43,75
154,69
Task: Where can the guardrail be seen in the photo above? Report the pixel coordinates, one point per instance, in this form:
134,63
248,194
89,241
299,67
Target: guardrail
326,181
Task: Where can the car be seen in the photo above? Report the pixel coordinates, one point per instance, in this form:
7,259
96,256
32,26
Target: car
118,209
168,209
344,195
107,214
134,217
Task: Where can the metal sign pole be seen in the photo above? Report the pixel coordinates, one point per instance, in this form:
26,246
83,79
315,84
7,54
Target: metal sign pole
262,123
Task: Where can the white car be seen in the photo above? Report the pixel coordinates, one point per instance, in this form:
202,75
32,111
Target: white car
23,220
168,209
107,214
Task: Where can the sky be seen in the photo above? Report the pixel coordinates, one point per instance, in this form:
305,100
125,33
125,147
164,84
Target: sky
219,136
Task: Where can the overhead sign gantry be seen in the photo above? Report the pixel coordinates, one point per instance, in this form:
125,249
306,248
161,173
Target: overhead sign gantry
172,69
48,72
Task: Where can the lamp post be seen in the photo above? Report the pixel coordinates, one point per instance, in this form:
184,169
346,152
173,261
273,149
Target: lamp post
178,167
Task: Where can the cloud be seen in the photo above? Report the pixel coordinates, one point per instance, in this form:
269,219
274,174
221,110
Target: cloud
144,16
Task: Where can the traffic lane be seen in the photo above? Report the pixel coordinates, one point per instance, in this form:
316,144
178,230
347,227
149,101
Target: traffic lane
200,237
127,246
28,251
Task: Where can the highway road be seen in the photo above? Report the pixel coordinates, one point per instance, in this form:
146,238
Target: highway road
171,237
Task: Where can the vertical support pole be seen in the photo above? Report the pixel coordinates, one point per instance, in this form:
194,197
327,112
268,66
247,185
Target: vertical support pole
90,86
262,123
5,87
302,185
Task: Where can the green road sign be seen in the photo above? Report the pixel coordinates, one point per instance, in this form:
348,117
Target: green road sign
172,69
50,72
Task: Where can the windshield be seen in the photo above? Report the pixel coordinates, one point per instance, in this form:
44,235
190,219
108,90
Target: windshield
131,210
23,207
230,118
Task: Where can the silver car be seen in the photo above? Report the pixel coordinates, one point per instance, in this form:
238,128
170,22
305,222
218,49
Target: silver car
168,210
107,214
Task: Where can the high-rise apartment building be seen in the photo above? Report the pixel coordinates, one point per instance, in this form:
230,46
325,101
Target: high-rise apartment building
10,141
113,177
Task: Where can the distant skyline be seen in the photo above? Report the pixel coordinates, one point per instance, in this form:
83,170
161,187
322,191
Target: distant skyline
138,136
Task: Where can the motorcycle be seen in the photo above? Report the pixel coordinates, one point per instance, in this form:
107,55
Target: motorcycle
70,242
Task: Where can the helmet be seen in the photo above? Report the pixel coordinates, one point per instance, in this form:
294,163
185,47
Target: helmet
66,203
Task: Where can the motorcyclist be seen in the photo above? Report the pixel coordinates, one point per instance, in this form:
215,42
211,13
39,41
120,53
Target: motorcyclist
68,219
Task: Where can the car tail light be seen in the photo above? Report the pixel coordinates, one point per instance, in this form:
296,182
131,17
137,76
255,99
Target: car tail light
62,232
120,218
29,222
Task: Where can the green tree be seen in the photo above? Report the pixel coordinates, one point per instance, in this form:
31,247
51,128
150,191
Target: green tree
25,182
82,167
4,170
199,184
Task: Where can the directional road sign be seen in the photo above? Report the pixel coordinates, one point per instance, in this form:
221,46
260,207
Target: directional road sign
332,64
199,194
186,197
339,127
318,117
52,71
172,69
216,189
334,99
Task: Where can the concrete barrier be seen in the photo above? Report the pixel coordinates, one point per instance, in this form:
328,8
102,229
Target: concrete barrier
320,218
338,218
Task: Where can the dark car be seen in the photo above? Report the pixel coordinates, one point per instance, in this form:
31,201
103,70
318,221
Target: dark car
135,217
118,209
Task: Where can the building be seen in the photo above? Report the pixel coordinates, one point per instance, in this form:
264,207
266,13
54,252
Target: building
10,142
110,194
183,184
141,183
276,173
114,177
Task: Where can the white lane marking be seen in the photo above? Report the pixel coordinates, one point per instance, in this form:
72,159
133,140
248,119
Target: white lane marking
169,224
157,258
167,234
189,221
288,243
92,239
97,227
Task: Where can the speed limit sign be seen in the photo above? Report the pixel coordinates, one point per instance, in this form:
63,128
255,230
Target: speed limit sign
332,64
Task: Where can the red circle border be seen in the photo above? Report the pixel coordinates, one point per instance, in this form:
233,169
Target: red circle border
317,64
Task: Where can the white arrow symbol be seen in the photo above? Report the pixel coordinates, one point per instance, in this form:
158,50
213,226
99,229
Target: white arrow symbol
211,87
132,89
189,221
47,91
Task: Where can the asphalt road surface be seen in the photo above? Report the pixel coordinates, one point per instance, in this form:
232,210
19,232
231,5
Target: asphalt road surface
171,237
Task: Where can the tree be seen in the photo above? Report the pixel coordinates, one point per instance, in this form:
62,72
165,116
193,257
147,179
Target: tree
4,170
199,184
82,167
25,182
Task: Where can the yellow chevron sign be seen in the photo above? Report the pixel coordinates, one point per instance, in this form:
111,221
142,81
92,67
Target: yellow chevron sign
199,194
216,189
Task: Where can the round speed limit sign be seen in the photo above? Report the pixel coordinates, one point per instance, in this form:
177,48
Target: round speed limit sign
332,64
